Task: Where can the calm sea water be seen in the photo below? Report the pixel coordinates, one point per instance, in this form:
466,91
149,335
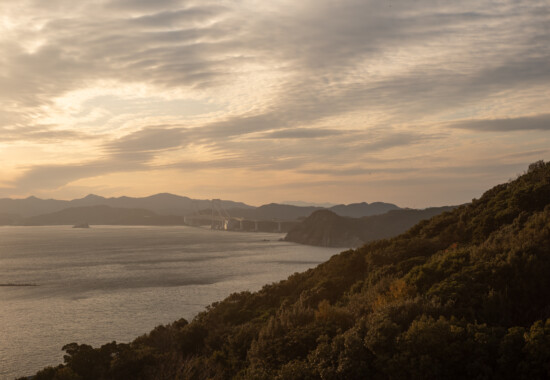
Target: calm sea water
114,283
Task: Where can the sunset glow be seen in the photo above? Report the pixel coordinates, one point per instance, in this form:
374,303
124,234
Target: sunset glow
322,101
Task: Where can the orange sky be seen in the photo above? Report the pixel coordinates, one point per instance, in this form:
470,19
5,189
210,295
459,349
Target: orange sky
416,103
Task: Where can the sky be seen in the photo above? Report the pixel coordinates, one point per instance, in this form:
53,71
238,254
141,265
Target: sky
415,102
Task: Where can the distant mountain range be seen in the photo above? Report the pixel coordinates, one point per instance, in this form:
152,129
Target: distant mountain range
163,204
326,228
338,226
35,211
290,212
103,215
306,204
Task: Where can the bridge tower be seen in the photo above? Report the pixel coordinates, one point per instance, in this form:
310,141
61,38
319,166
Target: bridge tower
219,215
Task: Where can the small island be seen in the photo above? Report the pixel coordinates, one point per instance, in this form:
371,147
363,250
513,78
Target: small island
81,225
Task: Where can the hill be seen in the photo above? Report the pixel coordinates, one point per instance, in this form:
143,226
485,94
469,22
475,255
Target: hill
170,204
164,204
31,206
358,210
103,215
9,219
274,211
325,228
291,212
465,294
91,212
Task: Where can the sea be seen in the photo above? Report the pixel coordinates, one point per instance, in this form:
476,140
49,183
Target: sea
60,284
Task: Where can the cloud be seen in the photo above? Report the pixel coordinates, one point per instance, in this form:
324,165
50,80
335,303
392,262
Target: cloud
525,123
336,55
146,142
143,5
347,86
167,20
356,171
301,133
528,154
42,134
396,139
130,153
54,176
166,48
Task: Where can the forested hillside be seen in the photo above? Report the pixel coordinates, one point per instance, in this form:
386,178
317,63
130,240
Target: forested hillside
465,294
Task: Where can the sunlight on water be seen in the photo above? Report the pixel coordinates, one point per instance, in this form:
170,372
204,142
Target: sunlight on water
114,283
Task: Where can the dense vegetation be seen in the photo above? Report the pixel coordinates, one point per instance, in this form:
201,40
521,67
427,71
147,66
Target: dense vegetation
465,294
326,228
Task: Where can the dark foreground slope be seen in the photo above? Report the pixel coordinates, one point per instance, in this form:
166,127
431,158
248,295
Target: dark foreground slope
325,228
463,295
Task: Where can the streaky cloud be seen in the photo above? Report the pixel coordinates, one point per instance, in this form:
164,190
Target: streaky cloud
537,122
302,133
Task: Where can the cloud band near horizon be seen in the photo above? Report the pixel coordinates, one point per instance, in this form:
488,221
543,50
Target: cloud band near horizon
318,100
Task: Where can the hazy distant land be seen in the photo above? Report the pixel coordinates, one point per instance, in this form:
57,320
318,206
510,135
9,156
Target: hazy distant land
335,226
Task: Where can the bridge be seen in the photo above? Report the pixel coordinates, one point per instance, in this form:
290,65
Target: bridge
217,218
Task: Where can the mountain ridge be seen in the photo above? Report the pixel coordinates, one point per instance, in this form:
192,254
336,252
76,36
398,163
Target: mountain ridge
326,228
171,204
162,203
103,215
290,212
